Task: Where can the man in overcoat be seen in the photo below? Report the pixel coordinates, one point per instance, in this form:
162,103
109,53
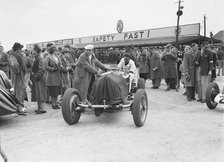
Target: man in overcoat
18,69
190,71
85,71
155,69
170,67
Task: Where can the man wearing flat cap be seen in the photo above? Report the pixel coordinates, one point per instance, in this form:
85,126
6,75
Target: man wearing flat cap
18,69
85,71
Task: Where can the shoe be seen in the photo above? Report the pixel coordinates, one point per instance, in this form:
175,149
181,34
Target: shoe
202,101
184,93
193,98
154,87
40,111
199,100
188,99
167,89
177,90
55,107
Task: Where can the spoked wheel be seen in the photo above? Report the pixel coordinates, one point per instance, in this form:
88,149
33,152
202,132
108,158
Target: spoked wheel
140,107
141,83
211,92
70,102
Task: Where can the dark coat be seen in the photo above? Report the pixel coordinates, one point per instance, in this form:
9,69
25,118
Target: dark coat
170,65
206,62
84,73
38,79
65,73
143,63
53,75
155,62
190,67
17,65
4,63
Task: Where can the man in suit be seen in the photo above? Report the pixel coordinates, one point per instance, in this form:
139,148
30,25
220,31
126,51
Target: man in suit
85,71
205,61
4,61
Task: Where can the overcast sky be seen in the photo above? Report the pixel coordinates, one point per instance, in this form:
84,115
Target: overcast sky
31,21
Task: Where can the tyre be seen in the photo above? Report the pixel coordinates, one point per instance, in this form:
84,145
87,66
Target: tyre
211,92
70,100
141,83
140,107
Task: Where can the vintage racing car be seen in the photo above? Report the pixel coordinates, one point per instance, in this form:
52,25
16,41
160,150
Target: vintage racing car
9,104
113,91
214,96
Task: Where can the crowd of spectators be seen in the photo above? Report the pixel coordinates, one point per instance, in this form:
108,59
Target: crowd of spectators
50,71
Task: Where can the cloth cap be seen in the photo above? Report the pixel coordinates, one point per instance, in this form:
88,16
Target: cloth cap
89,47
65,50
168,45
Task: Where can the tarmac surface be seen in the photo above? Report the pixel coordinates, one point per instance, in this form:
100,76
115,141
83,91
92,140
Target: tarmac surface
176,130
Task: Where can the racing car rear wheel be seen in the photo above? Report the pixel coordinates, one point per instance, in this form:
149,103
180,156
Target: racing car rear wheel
211,92
140,107
141,83
70,100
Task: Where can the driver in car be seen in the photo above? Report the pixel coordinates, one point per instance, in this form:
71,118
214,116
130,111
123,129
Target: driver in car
127,65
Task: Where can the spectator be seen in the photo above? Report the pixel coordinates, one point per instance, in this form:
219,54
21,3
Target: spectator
170,66
18,69
189,68
220,54
65,68
143,63
39,92
53,79
155,69
205,61
4,61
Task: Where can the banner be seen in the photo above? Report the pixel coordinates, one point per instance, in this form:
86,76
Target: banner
185,30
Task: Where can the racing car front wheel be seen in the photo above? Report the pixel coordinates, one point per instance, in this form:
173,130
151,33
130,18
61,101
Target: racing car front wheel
140,107
70,100
211,92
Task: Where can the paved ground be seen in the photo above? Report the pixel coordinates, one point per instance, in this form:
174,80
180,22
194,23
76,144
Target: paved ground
175,130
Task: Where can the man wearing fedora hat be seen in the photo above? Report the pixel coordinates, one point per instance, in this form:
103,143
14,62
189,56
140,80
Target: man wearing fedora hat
65,68
18,69
85,71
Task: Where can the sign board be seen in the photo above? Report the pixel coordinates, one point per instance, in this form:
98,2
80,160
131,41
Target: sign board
185,30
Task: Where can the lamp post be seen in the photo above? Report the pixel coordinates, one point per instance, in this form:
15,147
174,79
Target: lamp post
179,13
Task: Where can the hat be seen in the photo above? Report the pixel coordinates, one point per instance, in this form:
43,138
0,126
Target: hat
89,47
17,46
127,54
49,44
168,45
65,50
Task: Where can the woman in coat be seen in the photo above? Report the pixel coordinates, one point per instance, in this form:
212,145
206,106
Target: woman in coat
53,75
39,92
189,68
